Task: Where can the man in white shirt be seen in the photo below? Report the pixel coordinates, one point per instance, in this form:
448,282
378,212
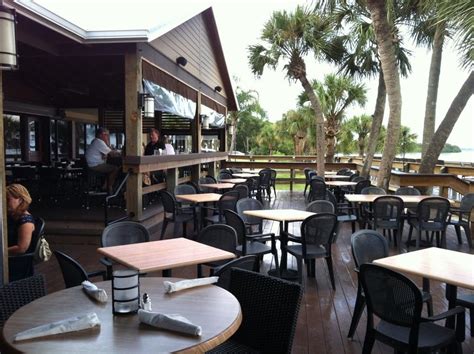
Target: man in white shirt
96,157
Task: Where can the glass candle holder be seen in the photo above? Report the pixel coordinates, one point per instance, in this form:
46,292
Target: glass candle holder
125,292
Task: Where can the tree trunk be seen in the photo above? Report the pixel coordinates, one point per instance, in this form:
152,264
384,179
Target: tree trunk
428,162
433,84
318,115
392,83
233,140
377,119
330,135
361,144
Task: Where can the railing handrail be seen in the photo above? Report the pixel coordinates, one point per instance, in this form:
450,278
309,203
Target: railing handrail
110,197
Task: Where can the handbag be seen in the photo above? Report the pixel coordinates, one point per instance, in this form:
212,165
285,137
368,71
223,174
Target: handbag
42,252
146,179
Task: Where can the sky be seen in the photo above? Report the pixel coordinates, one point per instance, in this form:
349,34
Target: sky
240,23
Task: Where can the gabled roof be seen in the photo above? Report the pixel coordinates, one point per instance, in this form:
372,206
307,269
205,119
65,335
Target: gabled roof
89,21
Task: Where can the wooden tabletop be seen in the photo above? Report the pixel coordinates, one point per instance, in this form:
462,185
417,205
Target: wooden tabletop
331,176
369,198
217,186
164,254
200,197
234,180
280,214
214,309
340,183
245,175
455,268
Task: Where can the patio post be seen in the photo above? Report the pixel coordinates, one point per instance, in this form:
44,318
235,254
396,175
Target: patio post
3,213
133,129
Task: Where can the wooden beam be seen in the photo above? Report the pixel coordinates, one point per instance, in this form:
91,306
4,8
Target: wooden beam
133,129
3,213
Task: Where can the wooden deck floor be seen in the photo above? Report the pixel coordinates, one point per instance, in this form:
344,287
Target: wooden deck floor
325,314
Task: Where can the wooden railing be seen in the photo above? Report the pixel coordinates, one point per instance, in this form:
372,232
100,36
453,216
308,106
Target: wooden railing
138,165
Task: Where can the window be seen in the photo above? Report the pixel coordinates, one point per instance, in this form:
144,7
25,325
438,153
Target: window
12,137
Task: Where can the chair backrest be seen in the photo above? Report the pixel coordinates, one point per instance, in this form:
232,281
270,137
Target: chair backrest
306,172
433,210
330,197
368,245
223,272
225,175
467,202
407,191
235,170
184,189
227,201
194,185
252,184
311,175
19,293
249,204
320,206
318,230
319,178
265,178
220,236
273,175
235,221
391,296
73,273
124,233
169,202
343,171
270,309
372,190
206,180
317,189
242,189
39,230
356,178
387,211
361,185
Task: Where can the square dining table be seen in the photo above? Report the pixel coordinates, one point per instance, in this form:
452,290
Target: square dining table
284,216
164,255
200,198
447,266
218,186
245,175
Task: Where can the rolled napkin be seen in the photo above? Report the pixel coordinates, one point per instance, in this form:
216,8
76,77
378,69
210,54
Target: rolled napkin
94,292
68,325
174,323
171,287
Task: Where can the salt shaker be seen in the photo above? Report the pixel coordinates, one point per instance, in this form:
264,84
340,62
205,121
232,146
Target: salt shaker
146,302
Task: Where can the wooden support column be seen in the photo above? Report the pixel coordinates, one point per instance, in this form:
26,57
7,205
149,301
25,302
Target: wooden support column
133,129
172,175
3,211
196,139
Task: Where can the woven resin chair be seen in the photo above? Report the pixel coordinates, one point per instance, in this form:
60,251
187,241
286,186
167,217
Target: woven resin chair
73,273
223,272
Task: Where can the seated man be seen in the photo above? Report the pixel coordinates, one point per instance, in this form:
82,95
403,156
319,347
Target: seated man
96,157
155,147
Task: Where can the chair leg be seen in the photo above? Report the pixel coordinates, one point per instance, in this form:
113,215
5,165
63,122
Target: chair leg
471,316
410,232
299,262
331,272
163,228
467,231
358,310
368,342
199,271
184,229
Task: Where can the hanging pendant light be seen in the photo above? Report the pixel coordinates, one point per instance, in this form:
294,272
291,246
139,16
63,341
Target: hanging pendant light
8,55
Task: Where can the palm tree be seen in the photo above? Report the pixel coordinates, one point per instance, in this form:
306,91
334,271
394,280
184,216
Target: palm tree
336,94
361,126
387,52
291,37
362,60
268,138
297,124
248,120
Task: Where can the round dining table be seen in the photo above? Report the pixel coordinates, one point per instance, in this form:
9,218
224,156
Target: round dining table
214,309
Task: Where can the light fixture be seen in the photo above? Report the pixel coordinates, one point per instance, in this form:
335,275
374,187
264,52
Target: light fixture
147,102
181,61
125,291
8,55
205,121
230,129
218,88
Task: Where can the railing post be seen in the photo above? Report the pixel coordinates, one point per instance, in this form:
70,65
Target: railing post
172,175
212,169
292,176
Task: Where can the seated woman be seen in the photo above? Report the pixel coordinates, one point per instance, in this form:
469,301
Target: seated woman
21,225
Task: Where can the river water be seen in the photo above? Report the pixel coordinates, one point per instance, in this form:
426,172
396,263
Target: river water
464,156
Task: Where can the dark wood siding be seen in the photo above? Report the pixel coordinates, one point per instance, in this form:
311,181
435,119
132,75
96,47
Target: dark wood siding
192,41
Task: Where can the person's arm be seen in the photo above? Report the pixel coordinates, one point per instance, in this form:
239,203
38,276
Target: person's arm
25,233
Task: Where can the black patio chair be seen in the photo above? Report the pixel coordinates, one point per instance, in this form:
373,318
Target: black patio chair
387,214
187,207
227,201
252,184
344,212
73,273
467,301
367,246
432,214
250,244
242,189
206,180
173,213
317,190
270,309
264,185
408,212
22,265
253,223
223,272
461,217
317,236
219,236
18,293
121,233
397,301
366,209
307,176
225,175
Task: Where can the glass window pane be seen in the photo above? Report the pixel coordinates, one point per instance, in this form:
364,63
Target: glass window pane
12,137
80,138
33,135
64,142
